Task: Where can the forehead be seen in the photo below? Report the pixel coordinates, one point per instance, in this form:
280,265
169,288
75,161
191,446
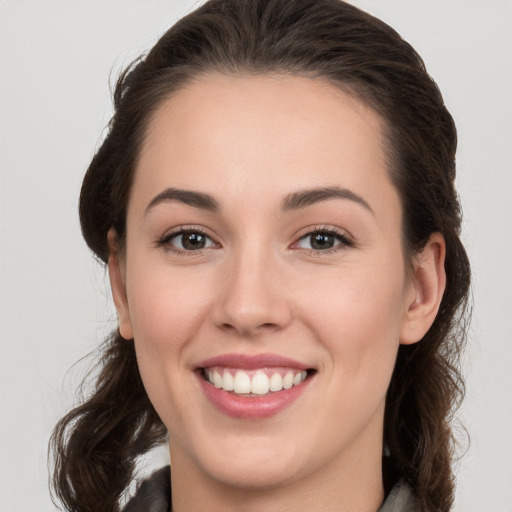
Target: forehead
263,134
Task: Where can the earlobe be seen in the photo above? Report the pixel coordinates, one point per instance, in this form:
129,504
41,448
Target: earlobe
117,283
428,285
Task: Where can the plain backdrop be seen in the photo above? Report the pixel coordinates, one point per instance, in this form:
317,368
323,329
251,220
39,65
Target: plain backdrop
56,57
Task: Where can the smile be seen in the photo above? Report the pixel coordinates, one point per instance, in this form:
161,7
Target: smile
253,387
261,381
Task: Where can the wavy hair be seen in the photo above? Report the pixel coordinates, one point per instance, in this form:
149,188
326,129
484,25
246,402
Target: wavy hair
96,445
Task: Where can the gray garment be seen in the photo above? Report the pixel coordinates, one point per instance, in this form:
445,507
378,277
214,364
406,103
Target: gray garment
154,495
400,499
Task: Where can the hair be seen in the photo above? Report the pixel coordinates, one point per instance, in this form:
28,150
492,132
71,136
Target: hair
96,445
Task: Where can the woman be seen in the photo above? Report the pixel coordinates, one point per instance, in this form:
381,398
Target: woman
275,203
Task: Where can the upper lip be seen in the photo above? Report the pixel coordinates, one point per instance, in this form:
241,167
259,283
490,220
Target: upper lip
252,362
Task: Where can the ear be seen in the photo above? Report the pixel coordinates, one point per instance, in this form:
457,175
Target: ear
426,290
118,285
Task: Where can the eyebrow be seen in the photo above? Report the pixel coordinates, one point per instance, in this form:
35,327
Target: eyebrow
189,197
294,201
308,197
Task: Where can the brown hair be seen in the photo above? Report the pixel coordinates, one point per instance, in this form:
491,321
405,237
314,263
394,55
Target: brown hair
95,446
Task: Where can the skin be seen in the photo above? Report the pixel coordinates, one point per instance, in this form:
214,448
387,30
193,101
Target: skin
259,287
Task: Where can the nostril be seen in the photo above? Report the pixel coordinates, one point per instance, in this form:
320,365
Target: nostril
228,326
248,329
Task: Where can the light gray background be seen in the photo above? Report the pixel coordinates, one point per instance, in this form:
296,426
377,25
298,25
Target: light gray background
55,60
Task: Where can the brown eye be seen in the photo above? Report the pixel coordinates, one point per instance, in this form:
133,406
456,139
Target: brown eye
323,241
190,241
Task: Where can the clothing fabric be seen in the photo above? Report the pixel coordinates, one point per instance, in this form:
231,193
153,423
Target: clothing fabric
154,495
400,499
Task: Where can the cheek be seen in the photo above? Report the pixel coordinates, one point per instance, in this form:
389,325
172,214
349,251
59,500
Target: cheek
165,307
357,317
360,300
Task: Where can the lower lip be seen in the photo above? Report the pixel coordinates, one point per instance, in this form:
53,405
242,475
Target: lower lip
255,407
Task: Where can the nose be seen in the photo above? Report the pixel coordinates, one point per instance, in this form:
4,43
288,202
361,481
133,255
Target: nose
252,298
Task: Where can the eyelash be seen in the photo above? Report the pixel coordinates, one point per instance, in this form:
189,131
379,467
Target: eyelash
164,242
342,238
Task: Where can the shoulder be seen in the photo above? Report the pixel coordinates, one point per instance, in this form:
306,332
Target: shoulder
154,493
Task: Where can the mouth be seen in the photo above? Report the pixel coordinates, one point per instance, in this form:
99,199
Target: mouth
253,387
253,383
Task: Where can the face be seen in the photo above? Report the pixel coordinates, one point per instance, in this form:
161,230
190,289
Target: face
263,253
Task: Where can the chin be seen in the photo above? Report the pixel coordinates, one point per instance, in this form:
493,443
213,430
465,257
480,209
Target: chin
252,463
256,475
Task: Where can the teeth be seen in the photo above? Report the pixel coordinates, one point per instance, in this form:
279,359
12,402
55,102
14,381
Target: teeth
288,380
242,383
228,382
259,384
276,382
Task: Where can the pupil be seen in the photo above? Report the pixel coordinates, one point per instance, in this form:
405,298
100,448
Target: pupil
193,241
322,241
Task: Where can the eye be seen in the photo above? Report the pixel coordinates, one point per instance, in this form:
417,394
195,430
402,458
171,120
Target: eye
323,240
187,240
